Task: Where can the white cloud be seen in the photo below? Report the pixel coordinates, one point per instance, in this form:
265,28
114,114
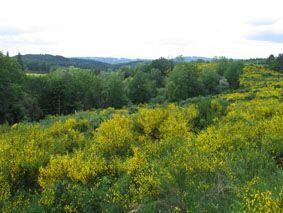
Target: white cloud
263,21
141,28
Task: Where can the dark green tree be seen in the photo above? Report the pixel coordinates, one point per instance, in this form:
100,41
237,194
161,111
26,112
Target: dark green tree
183,82
114,91
280,62
210,80
163,64
20,61
221,65
157,77
232,73
11,90
141,88
272,62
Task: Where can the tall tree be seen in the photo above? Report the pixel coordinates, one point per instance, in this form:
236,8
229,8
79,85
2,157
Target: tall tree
163,64
210,80
183,82
280,62
20,61
11,90
232,73
141,88
114,91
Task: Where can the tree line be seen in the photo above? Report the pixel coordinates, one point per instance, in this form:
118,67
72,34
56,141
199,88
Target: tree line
68,89
46,63
275,63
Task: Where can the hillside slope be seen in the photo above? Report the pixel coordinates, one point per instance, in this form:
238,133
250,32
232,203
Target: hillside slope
45,63
111,60
217,154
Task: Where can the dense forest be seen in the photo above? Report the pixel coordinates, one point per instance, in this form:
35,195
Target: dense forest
66,90
161,136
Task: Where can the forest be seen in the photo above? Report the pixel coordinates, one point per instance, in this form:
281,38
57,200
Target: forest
161,136
29,96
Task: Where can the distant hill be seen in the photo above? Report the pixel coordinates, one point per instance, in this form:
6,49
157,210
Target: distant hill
45,63
196,58
111,60
193,58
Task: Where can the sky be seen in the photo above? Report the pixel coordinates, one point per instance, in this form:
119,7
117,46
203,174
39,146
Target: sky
142,28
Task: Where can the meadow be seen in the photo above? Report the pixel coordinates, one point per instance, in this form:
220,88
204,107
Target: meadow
217,153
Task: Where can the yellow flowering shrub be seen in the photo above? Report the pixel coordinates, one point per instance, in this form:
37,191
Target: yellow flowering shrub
162,123
5,191
255,109
115,136
149,120
78,168
214,154
178,122
146,184
235,96
262,202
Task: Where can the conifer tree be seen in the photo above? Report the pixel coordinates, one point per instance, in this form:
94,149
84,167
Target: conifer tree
20,61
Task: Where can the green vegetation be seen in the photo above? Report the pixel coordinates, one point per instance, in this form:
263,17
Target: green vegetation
275,63
15,103
47,63
218,148
67,90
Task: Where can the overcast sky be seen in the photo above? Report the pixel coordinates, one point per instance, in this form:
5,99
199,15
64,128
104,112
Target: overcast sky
142,28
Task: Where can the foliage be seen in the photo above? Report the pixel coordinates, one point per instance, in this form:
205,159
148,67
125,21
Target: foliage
47,63
275,63
220,153
15,102
183,82
140,88
67,89
225,150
